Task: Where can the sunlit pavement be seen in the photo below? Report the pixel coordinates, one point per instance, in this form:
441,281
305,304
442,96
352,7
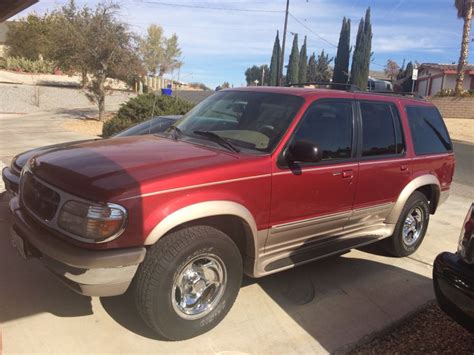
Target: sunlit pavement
320,307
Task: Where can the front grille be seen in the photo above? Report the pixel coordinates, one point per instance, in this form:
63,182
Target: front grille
39,198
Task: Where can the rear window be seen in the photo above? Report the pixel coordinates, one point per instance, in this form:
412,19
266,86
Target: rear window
428,131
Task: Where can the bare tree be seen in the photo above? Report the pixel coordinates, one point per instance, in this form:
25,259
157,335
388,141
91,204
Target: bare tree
391,69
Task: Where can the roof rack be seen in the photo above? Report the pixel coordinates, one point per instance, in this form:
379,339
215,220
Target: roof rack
333,86
355,88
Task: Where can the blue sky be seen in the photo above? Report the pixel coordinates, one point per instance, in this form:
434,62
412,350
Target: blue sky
218,45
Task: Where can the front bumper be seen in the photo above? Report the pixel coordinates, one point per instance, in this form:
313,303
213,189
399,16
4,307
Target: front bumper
453,282
11,180
88,272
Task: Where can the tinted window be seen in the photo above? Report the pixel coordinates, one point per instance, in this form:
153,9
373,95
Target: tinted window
329,126
381,131
428,130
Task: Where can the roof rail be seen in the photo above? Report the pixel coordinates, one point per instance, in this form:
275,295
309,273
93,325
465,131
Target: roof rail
333,86
394,93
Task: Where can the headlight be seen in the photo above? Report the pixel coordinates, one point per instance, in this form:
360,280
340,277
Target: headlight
95,223
466,239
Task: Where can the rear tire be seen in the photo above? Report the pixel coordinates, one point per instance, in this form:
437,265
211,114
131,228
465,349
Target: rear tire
411,226
188,282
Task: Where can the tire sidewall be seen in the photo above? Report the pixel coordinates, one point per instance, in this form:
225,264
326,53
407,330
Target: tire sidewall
416,200
164,315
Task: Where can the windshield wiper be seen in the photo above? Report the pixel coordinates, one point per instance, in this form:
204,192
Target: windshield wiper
218,139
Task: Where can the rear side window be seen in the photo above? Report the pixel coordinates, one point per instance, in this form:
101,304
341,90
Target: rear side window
329,126
429,133
381,129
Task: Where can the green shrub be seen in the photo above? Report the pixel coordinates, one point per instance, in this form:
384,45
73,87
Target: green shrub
25,65
140,108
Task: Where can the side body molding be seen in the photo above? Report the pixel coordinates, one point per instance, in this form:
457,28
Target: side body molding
202,210
423,180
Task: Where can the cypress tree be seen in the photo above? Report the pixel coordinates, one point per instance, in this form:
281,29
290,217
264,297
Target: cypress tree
274,63
303,64
362,53
293,63
311,76
341,64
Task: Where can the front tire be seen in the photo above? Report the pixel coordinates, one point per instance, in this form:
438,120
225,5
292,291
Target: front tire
411,226
188,282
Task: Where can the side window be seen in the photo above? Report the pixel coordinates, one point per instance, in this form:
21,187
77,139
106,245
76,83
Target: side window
428,130
329,126
381,129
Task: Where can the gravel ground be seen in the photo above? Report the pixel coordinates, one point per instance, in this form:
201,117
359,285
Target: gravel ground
22,99
429,331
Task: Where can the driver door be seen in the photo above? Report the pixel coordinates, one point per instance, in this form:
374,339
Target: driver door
313,201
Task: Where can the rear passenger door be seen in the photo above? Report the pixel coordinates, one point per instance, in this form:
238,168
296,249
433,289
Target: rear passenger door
384,167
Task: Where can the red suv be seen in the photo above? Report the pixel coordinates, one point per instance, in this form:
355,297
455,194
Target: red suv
252,180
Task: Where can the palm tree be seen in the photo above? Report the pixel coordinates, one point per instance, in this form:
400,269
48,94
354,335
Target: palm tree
464,8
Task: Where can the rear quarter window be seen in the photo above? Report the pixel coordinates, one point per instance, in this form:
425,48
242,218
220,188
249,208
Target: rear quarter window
428,130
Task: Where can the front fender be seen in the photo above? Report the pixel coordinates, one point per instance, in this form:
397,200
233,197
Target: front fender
201,210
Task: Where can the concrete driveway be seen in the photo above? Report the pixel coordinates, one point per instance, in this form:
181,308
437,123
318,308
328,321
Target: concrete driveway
321,307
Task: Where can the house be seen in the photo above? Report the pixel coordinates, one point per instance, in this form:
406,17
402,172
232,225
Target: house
9,8
3,38
432,78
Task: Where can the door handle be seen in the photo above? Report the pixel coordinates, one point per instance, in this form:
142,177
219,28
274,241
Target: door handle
347,174
404,167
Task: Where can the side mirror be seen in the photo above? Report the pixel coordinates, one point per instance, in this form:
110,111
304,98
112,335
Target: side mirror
303,151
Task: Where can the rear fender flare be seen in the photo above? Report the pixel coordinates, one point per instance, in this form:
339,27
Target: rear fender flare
411,187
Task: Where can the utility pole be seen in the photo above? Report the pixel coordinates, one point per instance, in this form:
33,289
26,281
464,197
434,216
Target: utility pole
263,75
282,57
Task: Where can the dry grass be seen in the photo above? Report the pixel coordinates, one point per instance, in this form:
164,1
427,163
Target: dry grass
86,127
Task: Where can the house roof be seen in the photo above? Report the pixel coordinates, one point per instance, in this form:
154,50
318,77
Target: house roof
9,8
446,68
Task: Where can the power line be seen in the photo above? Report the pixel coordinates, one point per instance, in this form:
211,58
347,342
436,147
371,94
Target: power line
161,3
310,30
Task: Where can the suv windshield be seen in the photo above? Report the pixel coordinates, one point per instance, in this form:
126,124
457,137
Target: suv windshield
239,120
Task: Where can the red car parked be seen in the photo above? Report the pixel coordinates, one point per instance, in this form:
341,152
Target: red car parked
253,180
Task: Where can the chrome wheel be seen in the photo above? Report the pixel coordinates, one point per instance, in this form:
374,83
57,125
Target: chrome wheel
413,226
199,286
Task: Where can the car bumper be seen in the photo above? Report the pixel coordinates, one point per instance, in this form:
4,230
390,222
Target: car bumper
453,282
11,180
88,272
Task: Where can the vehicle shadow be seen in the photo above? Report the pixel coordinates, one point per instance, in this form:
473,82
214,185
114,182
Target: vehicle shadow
340,300
27,288
331,299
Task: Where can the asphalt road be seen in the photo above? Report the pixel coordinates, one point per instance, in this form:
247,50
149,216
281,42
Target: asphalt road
464,172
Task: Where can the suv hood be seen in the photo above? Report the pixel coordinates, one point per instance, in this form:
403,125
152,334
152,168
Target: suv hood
121,167
21,159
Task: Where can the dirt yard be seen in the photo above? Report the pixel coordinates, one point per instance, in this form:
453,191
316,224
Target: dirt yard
461,129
